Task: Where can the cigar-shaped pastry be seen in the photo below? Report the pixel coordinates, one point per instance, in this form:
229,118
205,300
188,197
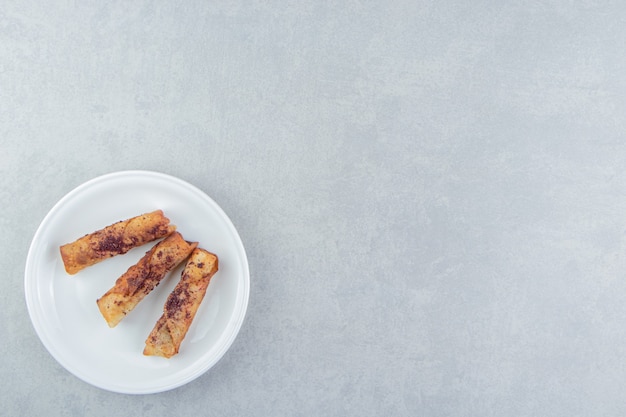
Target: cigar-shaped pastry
181,305
141,278
115,239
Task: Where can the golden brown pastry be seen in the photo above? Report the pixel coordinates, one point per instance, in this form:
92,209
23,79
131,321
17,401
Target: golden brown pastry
181,305
141,278
115,239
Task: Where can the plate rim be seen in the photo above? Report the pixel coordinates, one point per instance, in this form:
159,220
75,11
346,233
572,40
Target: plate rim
30,297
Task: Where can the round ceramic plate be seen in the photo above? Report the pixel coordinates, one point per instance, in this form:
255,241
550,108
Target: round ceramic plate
63,307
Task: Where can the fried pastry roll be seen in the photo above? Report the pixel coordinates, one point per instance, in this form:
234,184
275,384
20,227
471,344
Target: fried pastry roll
141,278
115,239
181,305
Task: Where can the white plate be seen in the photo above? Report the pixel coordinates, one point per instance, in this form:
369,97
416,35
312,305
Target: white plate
63,307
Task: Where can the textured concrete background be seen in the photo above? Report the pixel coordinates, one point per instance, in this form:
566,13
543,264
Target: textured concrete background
432,194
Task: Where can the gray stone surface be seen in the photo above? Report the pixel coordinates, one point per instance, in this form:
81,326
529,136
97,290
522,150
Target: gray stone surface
431,194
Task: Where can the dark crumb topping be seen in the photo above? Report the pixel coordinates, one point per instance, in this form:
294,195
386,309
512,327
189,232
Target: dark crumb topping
157,230
176,300
111,243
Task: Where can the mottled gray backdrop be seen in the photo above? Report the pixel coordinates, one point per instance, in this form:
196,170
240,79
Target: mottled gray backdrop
432,194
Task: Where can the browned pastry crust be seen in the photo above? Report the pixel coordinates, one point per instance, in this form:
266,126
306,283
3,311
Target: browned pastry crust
181,305
115,239
141,278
